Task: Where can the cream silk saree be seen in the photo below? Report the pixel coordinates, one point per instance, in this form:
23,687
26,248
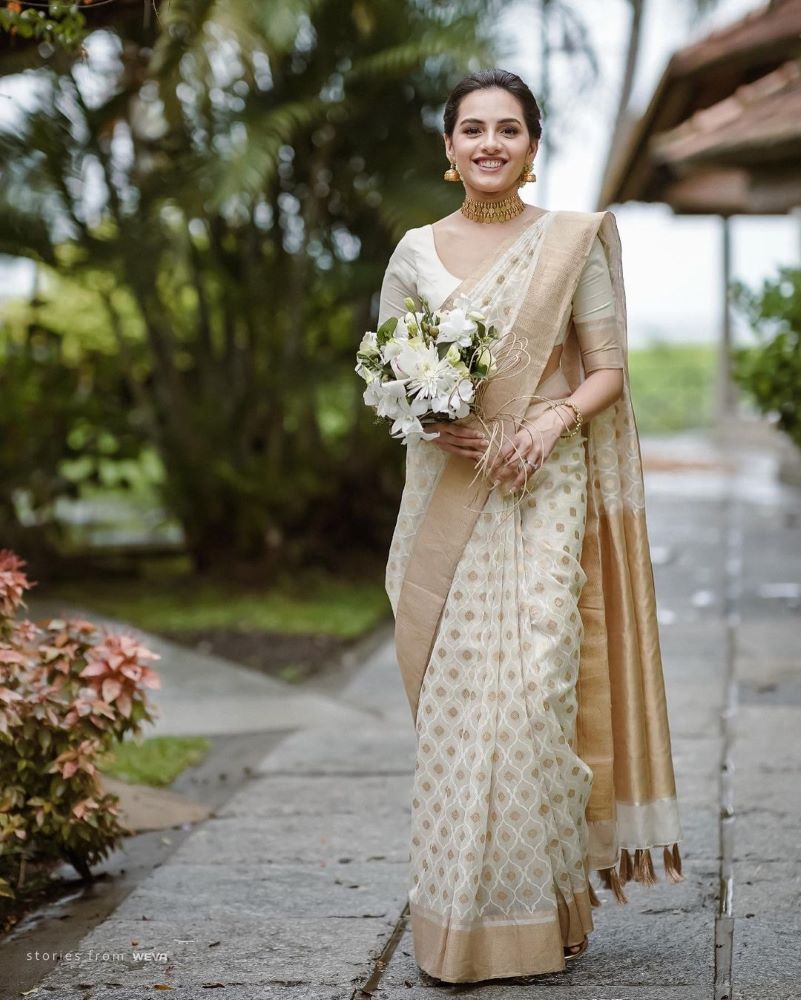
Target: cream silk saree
528,646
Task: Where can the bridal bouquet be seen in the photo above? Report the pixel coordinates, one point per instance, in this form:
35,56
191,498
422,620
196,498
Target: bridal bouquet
426,366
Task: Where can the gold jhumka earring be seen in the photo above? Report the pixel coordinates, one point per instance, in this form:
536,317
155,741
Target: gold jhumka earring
452,174
528,175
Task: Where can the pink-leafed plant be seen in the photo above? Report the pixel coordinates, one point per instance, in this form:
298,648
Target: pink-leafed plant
69,691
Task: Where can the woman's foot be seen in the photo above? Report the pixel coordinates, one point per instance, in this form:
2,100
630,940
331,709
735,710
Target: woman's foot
574,950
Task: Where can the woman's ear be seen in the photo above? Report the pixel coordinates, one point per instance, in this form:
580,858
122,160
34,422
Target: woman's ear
448,146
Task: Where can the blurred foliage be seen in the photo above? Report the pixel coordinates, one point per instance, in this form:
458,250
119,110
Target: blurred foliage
770,371
62,420
228,193
57,23
672,386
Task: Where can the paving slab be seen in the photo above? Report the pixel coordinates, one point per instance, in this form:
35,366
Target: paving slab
220,990
767,887
316,951
766,954
291,839
370,748
374,888
324,795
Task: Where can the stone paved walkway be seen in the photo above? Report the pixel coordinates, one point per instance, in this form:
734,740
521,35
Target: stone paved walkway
297,885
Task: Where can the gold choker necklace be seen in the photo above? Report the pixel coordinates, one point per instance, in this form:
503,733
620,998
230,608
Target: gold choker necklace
493,211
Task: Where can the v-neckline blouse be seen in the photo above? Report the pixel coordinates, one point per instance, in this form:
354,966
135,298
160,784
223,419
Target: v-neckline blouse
435,253
415,269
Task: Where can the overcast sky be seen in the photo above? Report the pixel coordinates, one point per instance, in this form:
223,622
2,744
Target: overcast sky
672,264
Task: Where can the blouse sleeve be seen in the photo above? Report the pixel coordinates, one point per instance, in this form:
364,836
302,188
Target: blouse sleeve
400,281
594,316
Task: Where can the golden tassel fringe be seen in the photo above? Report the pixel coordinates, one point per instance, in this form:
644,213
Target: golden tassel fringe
640,868
644,867
625,869
672,862
611,880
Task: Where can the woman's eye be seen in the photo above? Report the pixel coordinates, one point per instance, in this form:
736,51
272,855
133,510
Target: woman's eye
510,129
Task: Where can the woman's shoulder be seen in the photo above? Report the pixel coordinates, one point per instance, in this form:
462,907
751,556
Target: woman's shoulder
586,217
411,240
412,246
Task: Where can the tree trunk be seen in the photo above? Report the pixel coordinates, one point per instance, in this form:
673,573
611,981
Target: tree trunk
629,71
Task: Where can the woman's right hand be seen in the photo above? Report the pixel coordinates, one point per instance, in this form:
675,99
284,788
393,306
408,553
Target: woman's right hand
459,439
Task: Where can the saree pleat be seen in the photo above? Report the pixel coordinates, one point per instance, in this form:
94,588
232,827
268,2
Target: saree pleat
528,646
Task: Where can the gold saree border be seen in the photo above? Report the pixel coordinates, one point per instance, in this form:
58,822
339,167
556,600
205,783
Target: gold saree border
523,944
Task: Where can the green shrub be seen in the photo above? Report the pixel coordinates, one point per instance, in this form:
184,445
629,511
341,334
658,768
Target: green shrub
69,692
672,386
771,371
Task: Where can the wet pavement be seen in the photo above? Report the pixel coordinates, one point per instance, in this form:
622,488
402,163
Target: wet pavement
295,887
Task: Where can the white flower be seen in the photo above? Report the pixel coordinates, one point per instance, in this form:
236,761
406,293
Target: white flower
406,421
388,398
373,393
368,374
369,344
416,433
391,350
466,390
456,327
427,376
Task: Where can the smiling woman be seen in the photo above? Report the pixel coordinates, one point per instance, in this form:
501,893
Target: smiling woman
525,617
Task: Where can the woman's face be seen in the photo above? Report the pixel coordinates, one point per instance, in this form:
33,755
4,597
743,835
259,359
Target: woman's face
490,127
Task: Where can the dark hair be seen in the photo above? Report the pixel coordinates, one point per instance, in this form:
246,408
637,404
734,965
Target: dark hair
484,79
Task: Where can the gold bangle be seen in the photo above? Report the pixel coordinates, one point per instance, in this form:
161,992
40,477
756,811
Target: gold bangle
579,419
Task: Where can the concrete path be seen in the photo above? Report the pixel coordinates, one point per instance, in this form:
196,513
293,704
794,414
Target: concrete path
296,887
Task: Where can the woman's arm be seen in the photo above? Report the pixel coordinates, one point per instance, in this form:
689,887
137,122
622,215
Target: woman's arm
400,281
537,438
598,331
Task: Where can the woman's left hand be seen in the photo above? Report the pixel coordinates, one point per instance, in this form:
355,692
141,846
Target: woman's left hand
532,443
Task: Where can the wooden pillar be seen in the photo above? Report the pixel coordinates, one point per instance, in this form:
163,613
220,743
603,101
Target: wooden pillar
543,158
726,390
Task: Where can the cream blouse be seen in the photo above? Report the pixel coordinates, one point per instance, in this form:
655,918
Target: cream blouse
415,270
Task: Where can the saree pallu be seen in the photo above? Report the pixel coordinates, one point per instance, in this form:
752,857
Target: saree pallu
527,641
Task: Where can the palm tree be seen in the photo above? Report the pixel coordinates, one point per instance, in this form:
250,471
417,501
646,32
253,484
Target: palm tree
241,185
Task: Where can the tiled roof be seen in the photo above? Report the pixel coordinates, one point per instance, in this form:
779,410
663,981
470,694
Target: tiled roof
700,76
760,122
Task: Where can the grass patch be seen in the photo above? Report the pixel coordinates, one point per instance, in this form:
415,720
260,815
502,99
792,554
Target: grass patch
672,386
313,602
155,761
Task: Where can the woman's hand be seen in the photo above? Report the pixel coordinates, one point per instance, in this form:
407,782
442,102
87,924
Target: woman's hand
532,443
460,437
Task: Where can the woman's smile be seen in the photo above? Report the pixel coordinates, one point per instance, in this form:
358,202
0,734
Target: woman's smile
490,165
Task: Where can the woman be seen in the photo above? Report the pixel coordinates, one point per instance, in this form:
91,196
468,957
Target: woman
520,578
